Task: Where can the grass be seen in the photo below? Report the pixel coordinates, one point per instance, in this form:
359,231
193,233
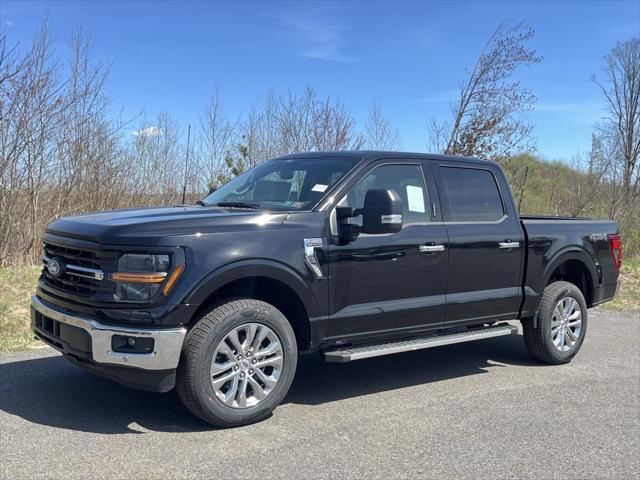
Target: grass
628,297
17,284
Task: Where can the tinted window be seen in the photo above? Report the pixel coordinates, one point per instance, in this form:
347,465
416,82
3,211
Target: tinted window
284,184
471,195
408,183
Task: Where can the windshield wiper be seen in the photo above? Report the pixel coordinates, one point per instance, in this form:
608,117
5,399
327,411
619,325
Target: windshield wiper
253,206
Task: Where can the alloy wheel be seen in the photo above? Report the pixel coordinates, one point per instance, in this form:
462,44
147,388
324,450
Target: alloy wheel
246,365
566,324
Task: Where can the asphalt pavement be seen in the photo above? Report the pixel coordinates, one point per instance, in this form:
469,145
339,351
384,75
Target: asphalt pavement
478,410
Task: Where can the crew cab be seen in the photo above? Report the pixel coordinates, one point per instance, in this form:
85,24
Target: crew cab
349,254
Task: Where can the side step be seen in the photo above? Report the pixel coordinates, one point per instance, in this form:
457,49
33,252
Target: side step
349,354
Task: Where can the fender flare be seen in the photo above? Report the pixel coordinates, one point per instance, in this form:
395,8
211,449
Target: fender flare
248,268
571,253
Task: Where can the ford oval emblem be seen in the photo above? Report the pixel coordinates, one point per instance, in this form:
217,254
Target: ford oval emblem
54,267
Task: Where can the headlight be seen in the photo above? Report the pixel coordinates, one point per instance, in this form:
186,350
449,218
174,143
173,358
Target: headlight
140,276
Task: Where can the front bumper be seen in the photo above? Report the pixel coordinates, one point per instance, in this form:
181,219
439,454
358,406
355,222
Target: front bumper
87,340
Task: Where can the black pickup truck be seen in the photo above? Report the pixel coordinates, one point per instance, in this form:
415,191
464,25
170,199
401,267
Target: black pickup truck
351,254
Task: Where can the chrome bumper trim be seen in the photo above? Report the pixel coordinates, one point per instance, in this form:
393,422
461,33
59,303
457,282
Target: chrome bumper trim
167,342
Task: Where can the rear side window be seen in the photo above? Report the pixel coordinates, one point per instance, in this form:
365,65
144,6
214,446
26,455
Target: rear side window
471,195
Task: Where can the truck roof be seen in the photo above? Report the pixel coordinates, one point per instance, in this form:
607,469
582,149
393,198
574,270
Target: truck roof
358,155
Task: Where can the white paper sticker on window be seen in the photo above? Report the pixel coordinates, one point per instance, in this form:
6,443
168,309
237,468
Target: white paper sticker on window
415,198
318,187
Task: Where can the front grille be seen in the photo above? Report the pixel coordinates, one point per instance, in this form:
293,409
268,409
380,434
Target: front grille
74,281
61,335
49,325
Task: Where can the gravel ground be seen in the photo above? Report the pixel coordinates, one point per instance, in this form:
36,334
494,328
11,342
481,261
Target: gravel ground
477,410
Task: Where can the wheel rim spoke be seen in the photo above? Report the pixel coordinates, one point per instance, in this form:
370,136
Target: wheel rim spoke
242,393
561,341
223,379
268,381
251,333
235,341
230,395
275,361
259,335
258,391
272,348
246,365
218,368
575,315
224,349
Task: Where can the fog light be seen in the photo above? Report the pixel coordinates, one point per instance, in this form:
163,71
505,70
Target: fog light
126,344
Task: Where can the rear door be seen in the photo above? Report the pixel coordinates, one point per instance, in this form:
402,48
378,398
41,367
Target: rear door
486,242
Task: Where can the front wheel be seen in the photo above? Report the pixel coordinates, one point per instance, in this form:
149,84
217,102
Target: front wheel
237,363
556,333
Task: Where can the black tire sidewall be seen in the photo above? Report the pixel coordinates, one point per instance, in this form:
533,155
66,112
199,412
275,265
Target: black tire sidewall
546,313
255,312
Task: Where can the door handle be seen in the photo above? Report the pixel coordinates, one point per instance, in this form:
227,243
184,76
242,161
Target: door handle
431,248
509,245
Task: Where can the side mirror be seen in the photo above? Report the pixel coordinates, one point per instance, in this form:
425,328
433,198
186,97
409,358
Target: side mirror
382,212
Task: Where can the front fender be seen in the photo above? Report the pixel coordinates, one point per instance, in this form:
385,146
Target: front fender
248,268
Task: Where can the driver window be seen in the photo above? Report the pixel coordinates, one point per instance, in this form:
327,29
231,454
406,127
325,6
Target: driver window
408,183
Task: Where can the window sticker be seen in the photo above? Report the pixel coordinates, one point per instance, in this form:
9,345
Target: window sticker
318,187
415,199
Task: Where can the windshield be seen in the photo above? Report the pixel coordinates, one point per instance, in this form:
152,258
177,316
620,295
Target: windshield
282,184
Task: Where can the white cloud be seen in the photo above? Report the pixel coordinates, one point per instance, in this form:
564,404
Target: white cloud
8,23
442,96
315,37
151,131
587,111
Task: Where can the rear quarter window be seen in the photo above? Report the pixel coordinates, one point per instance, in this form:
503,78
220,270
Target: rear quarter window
470,195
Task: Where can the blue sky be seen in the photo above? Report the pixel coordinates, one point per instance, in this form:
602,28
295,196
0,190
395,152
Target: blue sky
410,56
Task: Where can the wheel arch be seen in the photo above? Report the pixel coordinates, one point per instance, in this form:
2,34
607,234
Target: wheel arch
576,267
264,280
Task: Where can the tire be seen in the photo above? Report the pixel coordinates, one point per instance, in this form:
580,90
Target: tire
199,380
554,344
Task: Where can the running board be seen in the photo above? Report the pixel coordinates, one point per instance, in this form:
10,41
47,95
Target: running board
349,354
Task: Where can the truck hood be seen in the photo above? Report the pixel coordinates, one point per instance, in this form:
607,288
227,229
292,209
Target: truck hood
145,226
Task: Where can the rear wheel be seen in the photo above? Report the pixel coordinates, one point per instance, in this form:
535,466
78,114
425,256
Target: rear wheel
237,363
556,333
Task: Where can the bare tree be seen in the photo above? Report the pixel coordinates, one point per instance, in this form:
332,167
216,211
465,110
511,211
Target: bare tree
437,135
59,153
31,101
489,116
333,128
378,131
621,88
217,135
283,124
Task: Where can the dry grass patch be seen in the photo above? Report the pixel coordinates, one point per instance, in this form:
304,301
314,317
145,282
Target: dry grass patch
628,297
17,284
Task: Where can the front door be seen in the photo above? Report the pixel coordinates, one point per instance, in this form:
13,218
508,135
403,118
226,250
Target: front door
392,282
